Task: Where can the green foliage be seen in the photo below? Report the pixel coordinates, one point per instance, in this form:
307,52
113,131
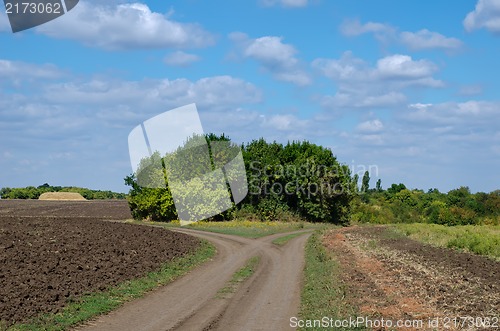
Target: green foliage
324,292
31,192
151,197
401,205
365,182
298,179
239,277
301,177
154,204
250,229
482,240
395,188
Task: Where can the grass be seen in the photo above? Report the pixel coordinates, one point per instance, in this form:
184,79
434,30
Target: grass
247,229
239,277
98,303
323,293
477,239
283,240
250,229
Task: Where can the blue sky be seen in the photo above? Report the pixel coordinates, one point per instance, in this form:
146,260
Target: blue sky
406,88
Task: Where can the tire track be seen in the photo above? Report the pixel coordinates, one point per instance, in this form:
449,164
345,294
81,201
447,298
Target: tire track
265,301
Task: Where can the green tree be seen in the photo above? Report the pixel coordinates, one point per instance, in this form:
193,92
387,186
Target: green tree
365,182
355,181
301,177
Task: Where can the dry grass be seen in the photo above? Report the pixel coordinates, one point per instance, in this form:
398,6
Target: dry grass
61,196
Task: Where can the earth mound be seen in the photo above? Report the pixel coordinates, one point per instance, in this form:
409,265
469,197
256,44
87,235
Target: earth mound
61,196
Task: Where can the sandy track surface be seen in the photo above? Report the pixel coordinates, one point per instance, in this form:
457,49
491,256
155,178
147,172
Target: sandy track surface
266,301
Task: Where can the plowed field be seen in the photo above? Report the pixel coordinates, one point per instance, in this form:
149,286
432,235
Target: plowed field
54,251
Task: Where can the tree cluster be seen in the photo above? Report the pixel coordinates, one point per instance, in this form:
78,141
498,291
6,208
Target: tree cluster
32,192
398,204
296,180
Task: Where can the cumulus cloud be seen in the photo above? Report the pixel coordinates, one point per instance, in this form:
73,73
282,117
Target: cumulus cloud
352,28
17,73
370,127
425,39
180,59
67,102
395,67
463,117
404,67
285,3
455,141
361,85
284,122
363,99
125,26
92,116
415,41
274,56
209,93
485,15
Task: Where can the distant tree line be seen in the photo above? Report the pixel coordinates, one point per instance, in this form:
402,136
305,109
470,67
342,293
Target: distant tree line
32,192
399,204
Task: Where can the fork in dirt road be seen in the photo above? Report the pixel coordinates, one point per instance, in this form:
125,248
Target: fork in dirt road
265,301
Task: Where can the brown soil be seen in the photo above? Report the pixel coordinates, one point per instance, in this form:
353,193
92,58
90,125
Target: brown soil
55,251
392,277
61,196
94,209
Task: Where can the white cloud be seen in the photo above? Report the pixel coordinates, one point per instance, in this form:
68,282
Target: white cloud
274,56
425,39
284,122
457,142
371,126
363,99
360,85
347,68
485,15
92,116
180,59
404,67
415,41
285,3
464,117
125,26
17,70
209,93
396,67
271,50
353,28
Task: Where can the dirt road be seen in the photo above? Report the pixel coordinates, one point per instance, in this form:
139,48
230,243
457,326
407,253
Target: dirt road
266,301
